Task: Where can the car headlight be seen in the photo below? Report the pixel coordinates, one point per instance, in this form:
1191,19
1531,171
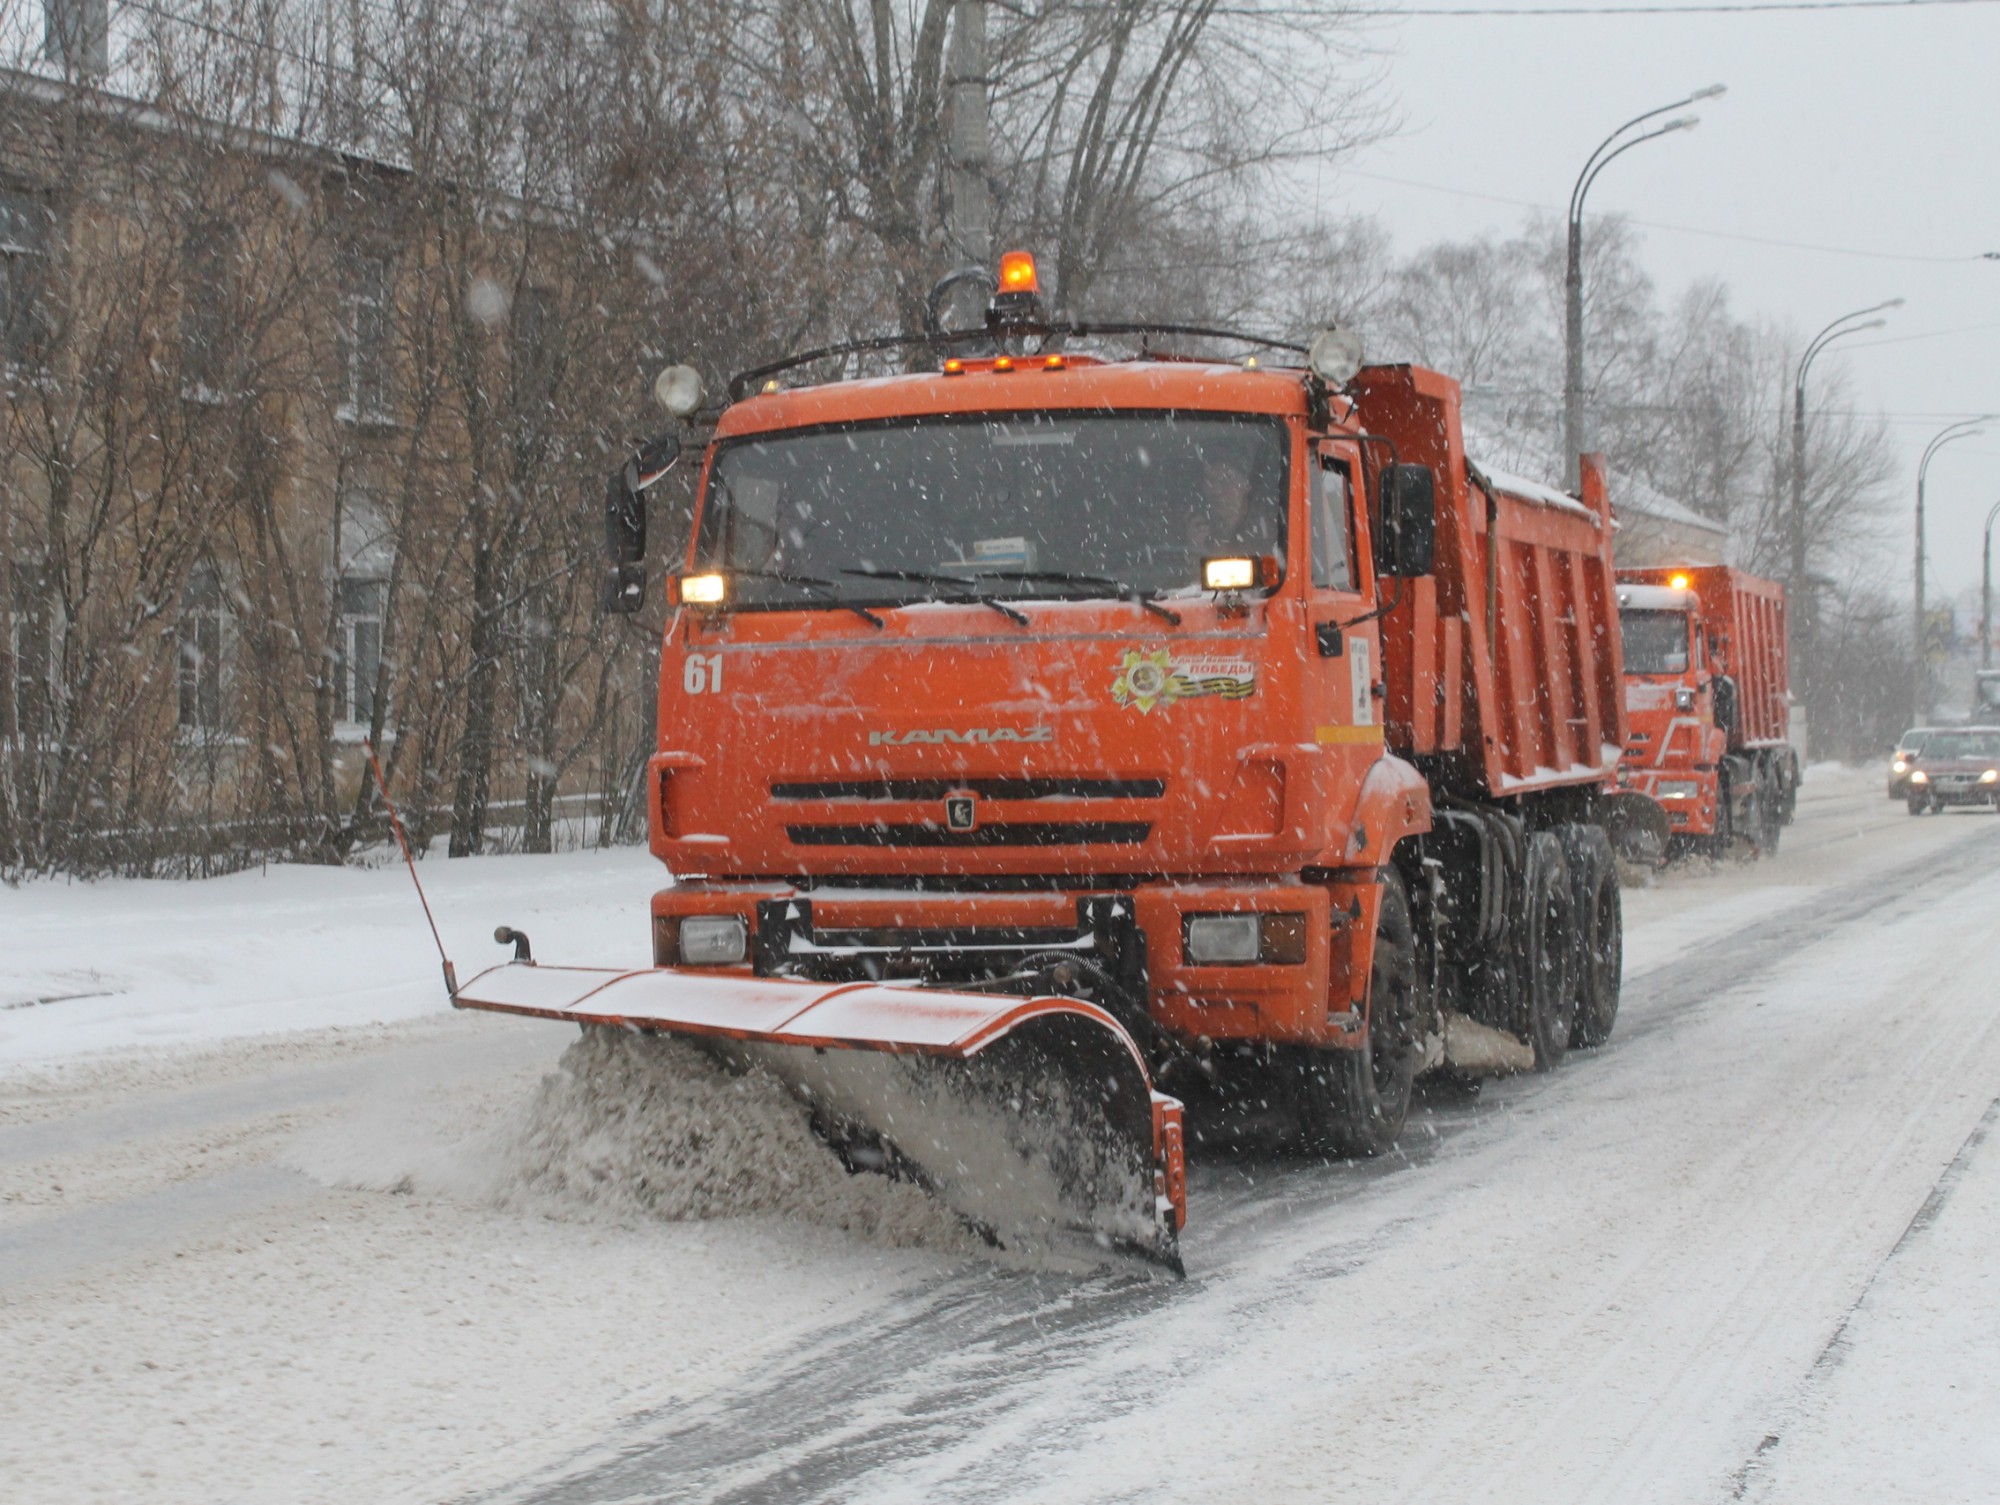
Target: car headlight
1920,777
712,940
1899,766
1991,776
1235,940
1677,789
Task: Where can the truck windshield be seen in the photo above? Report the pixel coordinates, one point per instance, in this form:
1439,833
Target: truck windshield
1014,504
1656,642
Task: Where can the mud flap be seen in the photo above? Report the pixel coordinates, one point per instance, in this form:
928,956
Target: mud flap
1032,1118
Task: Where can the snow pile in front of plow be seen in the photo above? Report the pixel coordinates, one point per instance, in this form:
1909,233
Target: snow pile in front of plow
642,1126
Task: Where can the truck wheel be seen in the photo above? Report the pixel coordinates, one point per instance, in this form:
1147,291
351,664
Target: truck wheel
1354,1102
1600,913
1769,820
1549,952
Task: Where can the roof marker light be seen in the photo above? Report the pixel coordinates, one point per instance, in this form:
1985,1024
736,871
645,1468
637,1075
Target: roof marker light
1018,274
1002,364
1055,363
954,367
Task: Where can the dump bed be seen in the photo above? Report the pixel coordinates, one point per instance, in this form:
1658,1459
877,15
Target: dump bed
1744,617
1502,669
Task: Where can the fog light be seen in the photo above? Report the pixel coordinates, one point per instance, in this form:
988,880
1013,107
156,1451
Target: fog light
1235,940
1222,939
713,940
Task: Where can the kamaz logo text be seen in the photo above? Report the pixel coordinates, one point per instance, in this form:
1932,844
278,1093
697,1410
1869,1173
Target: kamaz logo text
977,736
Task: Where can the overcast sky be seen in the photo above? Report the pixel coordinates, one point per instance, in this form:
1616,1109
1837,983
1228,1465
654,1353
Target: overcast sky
1862,131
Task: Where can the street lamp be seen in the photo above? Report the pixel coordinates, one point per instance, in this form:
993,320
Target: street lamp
1965,428
1802,598
1986,593
1607,149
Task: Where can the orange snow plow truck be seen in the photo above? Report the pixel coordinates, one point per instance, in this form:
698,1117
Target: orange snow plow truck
1707,703
1049,732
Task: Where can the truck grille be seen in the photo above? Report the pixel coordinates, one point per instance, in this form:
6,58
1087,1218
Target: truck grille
1014,834
985,788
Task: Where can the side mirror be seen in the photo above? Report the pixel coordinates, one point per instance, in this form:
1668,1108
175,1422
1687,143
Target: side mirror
1725,702
1406,521
625,524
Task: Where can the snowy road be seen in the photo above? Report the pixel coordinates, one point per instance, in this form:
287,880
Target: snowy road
1742,1252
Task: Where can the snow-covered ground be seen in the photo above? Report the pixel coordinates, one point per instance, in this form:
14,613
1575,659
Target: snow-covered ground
274,1225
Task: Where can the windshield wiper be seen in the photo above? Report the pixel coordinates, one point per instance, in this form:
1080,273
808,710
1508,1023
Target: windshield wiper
1123,591
814,582
924,577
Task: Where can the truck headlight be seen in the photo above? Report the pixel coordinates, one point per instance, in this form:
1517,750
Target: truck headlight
1677,789
1683,699
1236,940
713,940
1991,776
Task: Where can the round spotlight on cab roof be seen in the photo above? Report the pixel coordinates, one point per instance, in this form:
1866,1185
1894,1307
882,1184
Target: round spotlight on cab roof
678,390
1335,356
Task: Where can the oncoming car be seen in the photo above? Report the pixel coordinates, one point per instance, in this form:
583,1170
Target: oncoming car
1907,747
1958,767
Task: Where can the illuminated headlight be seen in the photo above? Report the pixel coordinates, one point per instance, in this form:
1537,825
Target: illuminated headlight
1899,766
704,590
1920,777
1683,699
1677,789
1228,574
713,940
1991,776
1235,940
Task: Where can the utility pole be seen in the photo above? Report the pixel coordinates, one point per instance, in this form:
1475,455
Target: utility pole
1611,146
1920,627
968,145
1803,605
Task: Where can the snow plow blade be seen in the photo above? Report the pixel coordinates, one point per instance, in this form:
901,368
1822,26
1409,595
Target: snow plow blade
1032,1118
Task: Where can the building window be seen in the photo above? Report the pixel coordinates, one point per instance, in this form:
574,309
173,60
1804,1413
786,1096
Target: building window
365,322
202,625
207,280
364,552
25,223
357,655
29,648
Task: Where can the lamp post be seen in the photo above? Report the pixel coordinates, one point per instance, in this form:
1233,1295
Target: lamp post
1802,597
1611,146
1965,428
1986,593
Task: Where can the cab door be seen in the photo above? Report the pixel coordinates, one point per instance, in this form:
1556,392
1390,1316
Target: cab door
1347,714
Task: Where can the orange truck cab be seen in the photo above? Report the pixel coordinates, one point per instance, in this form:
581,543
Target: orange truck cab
1706,702
1231,696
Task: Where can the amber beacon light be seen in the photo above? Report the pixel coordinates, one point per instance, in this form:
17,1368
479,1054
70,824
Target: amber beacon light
1018,274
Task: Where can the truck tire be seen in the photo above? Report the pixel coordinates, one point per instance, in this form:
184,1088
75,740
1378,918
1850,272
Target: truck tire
1593,871
1354,1102
1549,950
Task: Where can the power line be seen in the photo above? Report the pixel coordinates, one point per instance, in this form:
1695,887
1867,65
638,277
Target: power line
1755,240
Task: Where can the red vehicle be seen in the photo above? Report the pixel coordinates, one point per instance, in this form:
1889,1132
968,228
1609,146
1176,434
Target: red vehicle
1214,725
1955,766
1707,702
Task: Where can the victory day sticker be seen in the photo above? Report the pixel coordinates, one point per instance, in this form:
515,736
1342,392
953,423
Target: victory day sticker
1150,677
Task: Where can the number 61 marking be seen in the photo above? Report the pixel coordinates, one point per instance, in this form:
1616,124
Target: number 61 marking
701,674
